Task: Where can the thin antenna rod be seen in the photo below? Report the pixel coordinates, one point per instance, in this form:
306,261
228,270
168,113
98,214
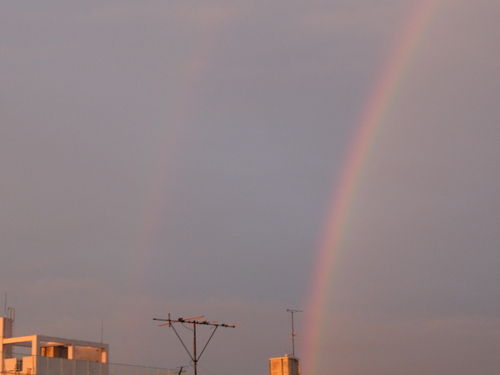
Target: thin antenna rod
293,330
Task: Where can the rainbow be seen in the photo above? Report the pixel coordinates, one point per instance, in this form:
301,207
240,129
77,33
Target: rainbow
369,127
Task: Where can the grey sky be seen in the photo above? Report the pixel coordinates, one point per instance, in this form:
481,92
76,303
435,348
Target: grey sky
180,157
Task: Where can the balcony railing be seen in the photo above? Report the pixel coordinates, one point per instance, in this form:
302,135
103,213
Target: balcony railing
40,365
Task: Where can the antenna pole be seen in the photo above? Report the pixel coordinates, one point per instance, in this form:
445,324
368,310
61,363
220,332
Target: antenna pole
195,360
293,330
194,322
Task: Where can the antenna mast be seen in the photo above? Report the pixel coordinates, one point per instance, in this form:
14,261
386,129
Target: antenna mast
194,322
293,330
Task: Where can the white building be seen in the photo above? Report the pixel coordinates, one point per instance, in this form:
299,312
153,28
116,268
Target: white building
46,355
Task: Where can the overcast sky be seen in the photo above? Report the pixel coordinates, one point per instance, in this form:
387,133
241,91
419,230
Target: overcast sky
181,157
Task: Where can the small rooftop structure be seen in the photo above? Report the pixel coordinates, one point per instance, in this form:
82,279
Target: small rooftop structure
284,366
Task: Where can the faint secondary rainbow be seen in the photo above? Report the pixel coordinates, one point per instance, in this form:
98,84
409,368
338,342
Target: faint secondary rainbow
371,122
180,112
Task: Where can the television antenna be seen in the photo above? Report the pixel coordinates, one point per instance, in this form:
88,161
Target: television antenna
293,330
194,321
